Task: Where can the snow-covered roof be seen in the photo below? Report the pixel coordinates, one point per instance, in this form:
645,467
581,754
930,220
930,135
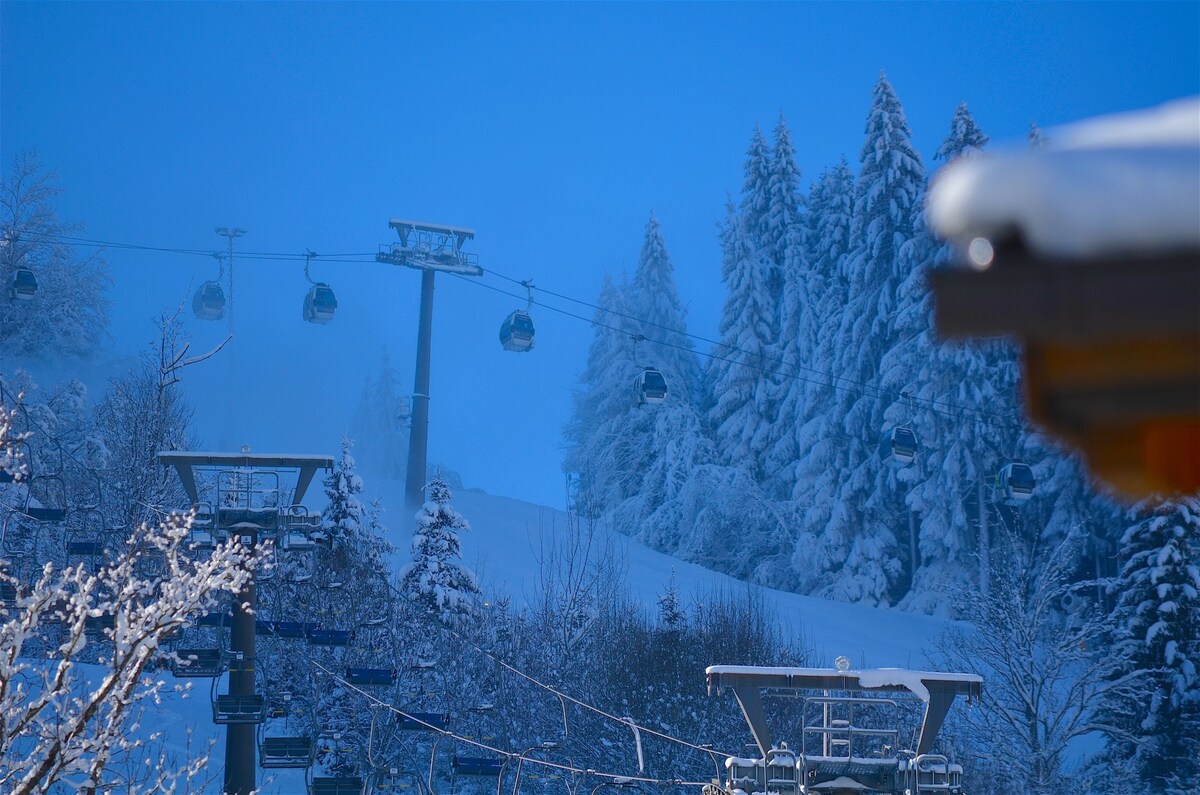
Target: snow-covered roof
1126,183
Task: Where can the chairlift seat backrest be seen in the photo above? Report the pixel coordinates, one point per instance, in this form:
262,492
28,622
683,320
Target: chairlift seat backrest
239,709
285,752
198,663
329,637
371,676
424,721
476,766
336,785
85,548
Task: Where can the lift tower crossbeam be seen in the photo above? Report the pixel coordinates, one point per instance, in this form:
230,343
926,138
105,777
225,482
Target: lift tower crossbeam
428,248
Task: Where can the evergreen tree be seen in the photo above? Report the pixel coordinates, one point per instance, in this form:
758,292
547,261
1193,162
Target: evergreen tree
436,577
818,452
1158,609
68,315
890,185
655,302
756,194
345,515
965,136
785,203
604,446
740,374
793,296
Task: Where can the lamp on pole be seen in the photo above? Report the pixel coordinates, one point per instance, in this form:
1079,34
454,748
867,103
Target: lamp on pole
428,248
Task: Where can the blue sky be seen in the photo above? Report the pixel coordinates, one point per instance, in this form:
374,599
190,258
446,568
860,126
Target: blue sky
552,129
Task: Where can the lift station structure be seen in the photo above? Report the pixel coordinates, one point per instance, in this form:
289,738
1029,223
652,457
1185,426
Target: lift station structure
428,248
251,502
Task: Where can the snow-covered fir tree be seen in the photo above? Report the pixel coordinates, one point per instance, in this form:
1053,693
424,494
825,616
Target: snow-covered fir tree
862,527
654,301
1158,610
437,578
965,136
344,514
793,307
603,448
808,465
740,373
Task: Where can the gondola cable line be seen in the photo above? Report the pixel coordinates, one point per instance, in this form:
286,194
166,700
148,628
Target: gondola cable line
865,390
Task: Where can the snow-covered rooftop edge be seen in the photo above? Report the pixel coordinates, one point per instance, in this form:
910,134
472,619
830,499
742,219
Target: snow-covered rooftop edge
1125,183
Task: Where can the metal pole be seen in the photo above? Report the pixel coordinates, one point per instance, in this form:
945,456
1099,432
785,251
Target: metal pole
418,438
240,762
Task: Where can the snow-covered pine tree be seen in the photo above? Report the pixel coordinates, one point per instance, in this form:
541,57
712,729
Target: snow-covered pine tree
601,445
68,315
1158,611
740,374
654,301
345,514
818,452
756,197
890,185
671,435
965,136
785,206
436,577
792,303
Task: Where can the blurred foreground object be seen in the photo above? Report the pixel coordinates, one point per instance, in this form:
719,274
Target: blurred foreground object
1088,251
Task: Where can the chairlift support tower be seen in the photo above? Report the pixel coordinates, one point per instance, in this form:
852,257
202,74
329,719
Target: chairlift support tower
428,248
253,522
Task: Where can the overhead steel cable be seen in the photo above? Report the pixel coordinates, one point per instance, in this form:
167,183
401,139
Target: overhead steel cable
510,755
952,409
865,391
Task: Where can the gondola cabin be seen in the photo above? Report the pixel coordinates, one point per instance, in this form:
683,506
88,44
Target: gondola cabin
24,284
516,332
899,445
319,304
209,302
650,387
1015,483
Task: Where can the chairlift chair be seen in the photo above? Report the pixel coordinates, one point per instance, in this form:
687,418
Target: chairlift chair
899,445
39,511
329,637
24,284
649,386
239,709
366,677
285,751
423,721
209,301
516,332
8,595
1015,483
336,785
198,663
319,304
484,766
